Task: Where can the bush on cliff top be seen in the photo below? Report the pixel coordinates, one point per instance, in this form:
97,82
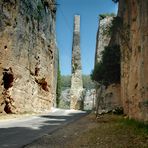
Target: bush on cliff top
108,70
102,16
115,1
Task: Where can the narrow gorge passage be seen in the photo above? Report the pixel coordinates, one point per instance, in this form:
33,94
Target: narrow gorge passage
74,73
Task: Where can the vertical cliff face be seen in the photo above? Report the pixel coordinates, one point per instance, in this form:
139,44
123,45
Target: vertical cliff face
107,98
103,36
76,78
28,60
134,65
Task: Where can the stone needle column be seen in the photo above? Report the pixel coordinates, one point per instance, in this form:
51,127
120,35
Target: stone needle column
76,91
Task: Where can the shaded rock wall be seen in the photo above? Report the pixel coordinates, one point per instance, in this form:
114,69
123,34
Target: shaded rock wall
134,65
28,55
109,98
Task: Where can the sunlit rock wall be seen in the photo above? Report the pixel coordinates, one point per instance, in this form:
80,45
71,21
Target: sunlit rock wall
28,55
76,78
103,36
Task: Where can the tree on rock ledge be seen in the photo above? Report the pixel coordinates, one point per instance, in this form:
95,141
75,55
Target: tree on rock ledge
107,71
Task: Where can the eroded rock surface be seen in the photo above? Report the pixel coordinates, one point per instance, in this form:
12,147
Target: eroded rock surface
134,66
103,36
76,78
28,55
107,98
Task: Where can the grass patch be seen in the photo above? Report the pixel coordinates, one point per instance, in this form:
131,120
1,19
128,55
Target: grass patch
139,127
115,131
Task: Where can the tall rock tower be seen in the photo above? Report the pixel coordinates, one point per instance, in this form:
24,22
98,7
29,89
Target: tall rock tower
76,79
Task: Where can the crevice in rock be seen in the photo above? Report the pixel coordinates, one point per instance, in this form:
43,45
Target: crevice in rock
42,82
8,78
37,71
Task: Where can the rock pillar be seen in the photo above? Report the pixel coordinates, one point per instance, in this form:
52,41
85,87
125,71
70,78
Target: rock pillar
76,79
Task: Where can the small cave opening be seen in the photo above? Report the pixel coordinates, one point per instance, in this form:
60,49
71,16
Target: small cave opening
7,109
5,47
8,78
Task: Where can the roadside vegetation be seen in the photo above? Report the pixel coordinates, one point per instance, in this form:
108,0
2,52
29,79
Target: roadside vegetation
107,131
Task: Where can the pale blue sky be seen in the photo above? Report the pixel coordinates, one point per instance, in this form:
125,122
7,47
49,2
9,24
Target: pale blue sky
89,11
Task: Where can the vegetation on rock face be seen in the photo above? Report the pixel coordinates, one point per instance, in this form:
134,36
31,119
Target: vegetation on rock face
102,16
108,70
115,1
122,29
87,82
58,90
65,81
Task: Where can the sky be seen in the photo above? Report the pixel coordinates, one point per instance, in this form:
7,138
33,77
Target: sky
89,11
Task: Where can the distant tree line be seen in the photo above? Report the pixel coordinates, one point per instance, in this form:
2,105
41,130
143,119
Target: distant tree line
58,89
66,82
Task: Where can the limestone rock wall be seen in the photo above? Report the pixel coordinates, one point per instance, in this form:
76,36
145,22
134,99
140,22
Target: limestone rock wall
134,66
89,99
103,36
28,55
109,98
76,78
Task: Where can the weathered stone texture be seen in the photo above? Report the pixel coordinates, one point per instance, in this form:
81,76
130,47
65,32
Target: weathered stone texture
89,99
76,79
134,65
108,99
103,36
27,56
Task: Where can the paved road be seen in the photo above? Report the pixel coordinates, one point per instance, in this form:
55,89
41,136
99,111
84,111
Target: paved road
19,132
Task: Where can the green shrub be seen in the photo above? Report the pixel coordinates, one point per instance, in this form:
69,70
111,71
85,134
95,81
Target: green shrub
115,1
58,89
117,24
108,70
137,125
87,82
102,16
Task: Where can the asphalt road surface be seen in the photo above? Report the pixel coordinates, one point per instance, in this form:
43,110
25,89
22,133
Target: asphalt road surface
16,133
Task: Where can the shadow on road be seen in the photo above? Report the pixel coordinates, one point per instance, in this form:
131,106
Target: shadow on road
22,132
